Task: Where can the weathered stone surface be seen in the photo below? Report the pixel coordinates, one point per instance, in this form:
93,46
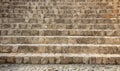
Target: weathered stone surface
2,60
10,59
35,60
51,60
57,60
18,60
44,60
60,26
26,60
66,60
77,60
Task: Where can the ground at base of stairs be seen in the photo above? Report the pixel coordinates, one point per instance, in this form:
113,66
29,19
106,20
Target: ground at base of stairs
70,67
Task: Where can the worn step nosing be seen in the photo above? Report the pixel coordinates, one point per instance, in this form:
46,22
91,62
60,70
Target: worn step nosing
56,55
67,36
118,45
87,29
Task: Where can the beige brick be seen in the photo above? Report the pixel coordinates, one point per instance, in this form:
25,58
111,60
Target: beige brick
50,49
98,60
2,60
10,60
44,60
111,61
19,60
51,60
23,49
26,60
66,60
6,49
104,60
77,60
35,60
41,49
58,49
57,60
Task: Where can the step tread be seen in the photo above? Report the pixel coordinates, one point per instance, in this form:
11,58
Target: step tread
56,55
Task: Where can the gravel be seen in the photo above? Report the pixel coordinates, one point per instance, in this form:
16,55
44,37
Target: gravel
69,67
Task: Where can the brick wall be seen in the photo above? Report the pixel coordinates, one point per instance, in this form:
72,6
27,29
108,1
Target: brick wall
60,31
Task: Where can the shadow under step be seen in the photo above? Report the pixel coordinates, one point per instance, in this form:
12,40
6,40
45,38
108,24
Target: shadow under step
59,58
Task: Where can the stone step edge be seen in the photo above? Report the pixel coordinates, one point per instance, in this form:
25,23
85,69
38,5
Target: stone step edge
30,58
61,49
118,45
56,55
67,36
46,29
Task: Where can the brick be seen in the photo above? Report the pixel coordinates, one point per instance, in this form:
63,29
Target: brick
2,60
4,32
86,60
78,60
14,49
17,32
57,60
44,60
40,49
112,41
111,61
23,49
6,40
55,40
58,49
66,60
65,49
118,60
104,60
10,60
98,60
92,60
50,49
83,40
6,49
51,60
35,60
26,32
74,49
18,60
26,60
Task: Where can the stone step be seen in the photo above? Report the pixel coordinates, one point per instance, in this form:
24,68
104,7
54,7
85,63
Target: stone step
60,49
61,21
59,26
58,32
50,58
59,40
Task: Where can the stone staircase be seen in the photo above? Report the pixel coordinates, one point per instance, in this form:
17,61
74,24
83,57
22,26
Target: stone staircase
60,31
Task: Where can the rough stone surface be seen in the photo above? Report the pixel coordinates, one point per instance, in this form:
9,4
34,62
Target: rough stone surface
77,67
60,26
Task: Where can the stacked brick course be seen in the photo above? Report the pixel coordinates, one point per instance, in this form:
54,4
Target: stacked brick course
60,31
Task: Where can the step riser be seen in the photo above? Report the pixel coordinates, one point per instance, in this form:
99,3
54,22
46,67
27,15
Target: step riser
60,26
59,40
61,21
61,49
61,60
37,32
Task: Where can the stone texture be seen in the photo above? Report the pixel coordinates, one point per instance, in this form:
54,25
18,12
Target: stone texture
35,60
73,67
18,60
10,60
60,26
26,60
